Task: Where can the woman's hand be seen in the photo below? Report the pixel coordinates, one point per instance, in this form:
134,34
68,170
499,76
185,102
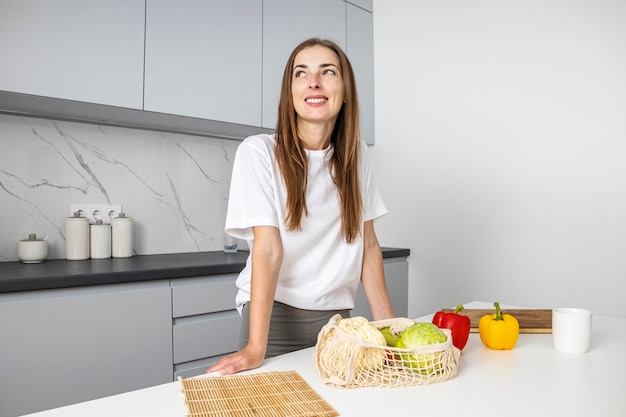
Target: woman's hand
243,360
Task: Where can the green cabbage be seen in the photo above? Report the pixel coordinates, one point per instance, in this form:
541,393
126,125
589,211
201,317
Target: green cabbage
389,337
421,334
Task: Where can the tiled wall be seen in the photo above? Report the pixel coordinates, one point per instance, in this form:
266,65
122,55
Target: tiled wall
173,186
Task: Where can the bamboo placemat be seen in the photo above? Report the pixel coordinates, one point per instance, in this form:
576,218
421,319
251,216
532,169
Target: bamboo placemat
268,394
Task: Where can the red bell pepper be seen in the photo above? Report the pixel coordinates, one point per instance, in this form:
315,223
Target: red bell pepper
458,324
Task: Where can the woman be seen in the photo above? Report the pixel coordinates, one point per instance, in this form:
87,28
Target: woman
304,200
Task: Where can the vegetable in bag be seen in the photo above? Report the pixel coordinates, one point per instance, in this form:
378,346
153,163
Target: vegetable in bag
421,334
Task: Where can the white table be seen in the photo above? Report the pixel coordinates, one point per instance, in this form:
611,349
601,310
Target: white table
531,380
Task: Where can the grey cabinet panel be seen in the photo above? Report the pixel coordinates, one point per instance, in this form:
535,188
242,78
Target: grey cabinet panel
205,336
59,347
397,276
285,25
195,368
206,323
191,296
203,59
360,50
76,50
209,68
364,4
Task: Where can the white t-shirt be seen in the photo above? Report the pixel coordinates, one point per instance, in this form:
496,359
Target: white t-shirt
320,271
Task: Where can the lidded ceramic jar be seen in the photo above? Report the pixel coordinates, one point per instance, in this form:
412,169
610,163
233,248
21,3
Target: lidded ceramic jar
76,238
32,250
100,235
122,236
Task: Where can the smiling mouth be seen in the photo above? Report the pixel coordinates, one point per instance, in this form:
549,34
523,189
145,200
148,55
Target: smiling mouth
316,100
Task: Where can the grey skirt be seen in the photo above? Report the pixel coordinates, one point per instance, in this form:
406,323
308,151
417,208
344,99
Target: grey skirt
290,328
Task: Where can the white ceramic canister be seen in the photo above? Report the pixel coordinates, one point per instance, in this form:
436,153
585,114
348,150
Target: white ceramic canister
100,237
122,236
77,238
32,250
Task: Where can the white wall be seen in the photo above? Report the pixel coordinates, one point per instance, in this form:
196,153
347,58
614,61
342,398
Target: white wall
511,120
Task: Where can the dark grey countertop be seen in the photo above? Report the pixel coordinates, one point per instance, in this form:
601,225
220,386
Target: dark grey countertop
61,273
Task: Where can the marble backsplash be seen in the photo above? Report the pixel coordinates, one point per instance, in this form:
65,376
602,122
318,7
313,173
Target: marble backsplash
173,186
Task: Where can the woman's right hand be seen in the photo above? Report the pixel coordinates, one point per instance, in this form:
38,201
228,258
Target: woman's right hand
248,358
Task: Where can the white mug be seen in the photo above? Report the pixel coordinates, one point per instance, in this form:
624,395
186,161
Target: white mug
571,330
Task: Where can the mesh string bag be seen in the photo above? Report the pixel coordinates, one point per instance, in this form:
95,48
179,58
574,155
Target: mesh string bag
344,360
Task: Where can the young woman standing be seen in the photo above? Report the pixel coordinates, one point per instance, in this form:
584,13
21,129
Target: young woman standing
305,201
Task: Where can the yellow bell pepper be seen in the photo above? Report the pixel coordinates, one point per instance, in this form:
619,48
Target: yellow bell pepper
498,331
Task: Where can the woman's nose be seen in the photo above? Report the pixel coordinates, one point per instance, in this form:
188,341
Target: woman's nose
314,82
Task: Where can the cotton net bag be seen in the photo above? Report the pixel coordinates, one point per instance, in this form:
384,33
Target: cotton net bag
352,353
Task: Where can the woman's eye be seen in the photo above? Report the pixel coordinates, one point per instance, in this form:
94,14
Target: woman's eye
298,74
330,71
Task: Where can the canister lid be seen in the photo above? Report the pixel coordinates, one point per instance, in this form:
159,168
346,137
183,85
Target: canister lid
121,217
32,237
100,224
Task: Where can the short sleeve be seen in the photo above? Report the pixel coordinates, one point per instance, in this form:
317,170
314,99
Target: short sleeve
373,203
251,200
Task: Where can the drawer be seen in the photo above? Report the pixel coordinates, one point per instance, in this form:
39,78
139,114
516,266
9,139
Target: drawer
192,296
204,336
195,368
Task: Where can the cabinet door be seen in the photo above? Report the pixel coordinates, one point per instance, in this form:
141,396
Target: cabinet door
64,346
205,336
285,25
84,50
202,295
364,4
360,50
397,276
206,323
203,59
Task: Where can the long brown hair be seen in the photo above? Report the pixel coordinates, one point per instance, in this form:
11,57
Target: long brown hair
292,158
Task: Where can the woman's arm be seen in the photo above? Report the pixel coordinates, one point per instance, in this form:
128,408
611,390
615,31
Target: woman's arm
267,255
373,275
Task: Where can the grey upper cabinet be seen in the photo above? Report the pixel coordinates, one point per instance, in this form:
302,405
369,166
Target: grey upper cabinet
89,51
209,67
285,25
203,59
360,49
364,4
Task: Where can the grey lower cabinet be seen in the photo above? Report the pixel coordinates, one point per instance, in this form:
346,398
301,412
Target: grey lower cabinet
205,322
397,276
63,346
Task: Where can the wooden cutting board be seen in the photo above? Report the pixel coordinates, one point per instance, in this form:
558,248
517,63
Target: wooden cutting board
530,320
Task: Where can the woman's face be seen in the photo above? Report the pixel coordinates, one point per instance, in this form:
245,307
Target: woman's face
317,85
